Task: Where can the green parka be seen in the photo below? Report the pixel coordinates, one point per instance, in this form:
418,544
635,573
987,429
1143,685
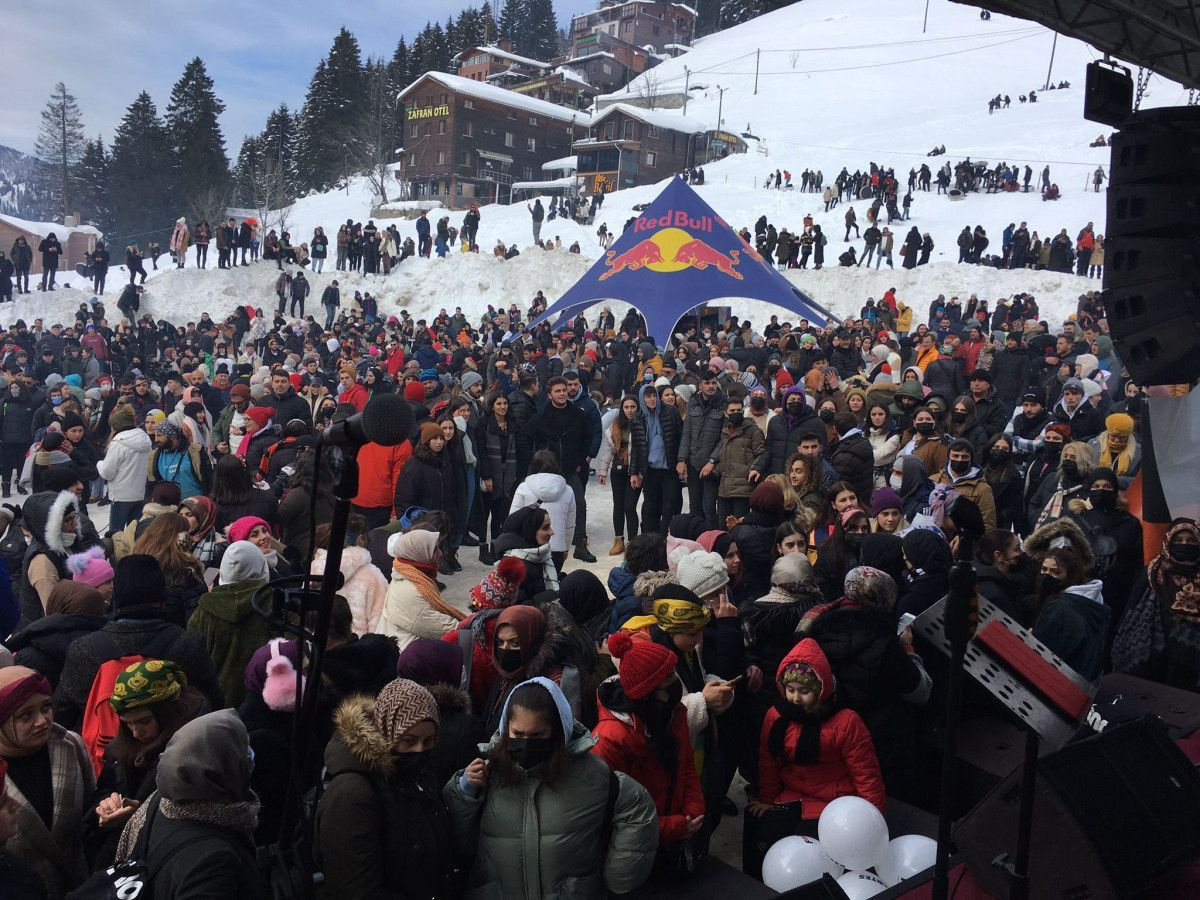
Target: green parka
540,844
232,631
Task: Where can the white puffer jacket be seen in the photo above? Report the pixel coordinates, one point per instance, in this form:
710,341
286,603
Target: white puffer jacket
124,465
364,587
557,499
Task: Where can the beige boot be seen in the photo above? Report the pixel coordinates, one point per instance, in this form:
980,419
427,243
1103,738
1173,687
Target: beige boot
618,547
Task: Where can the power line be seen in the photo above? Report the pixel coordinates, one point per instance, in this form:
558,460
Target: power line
960,37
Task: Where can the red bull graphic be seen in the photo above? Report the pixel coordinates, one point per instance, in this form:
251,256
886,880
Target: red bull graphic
636,257
672,250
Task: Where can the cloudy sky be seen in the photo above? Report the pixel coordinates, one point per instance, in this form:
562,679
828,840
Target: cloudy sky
259,54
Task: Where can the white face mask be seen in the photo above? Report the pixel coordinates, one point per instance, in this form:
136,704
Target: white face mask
895,481
69,539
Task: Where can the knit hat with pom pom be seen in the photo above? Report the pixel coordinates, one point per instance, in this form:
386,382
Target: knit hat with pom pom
644,664
498,588
90,567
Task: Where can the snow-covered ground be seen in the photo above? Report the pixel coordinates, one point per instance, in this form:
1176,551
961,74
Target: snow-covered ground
841,82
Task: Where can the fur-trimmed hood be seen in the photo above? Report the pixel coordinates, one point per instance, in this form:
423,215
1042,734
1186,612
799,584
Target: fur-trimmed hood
356,731
42,516
450,699
1041,539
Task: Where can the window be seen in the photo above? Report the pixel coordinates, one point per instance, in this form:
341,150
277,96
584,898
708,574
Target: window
428,129
529,173
416,129
466,158
412,159
442,127
468,104
441,157
533,120
627,130
650,159
607,69
531,145
610,131
468,129
443,100
652,131
458,188
508,139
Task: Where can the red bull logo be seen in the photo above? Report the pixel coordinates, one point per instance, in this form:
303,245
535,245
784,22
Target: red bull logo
672,250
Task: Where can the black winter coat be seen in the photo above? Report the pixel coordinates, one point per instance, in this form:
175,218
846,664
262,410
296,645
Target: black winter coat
755,539
43,645
521,410
782,440
854,461
565,431
16,420
427,480
290,406
702,430
671,423
218,862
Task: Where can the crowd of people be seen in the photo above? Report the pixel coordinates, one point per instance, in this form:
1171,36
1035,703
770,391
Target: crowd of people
782,493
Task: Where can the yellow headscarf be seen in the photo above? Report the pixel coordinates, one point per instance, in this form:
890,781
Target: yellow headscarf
680,616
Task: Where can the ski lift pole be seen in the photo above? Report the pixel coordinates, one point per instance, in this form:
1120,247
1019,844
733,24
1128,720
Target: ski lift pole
687,74
757,54
1050,68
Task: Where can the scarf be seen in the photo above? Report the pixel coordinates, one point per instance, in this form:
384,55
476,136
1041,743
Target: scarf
1177,588
420,576
541,556
1121,462
808,744
240,817
680,616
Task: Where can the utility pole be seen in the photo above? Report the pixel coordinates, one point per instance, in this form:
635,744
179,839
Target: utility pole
757,54
926,20
720,108
1053,47
687,75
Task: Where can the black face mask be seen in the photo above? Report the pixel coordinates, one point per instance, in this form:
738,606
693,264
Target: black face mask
1105,501
925,429
758,404
675,691
411,764
960,466
530,752
509,660
958,417
735,418
794,408
1052,451
1070,468
826,415
1049,584
854,540
1185,554
998,456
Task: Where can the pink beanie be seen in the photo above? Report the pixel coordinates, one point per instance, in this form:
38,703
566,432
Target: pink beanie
239,529
90,567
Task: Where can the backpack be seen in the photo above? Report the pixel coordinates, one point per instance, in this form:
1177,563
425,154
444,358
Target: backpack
100,722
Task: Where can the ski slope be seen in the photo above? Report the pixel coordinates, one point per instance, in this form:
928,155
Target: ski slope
840,83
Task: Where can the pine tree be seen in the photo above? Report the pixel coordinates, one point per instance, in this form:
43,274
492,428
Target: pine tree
60,145
708,17
538,36
248,160
200,170
139,176
468,30
398,69
279,140
452,42
734,12
439,50
512,19
487,20
92,192
334,103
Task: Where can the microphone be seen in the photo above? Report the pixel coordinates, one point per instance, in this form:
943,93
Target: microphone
387,419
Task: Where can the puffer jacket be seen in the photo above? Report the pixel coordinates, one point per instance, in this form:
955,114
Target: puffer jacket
854,459
702,430
550,492
784,434
846,765
427,480
533,842
43,645
737,453
406,616
363,586
671,424
16,414
124,465
379,833
622,742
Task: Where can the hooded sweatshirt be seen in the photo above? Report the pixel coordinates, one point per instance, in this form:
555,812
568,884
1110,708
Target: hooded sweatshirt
656,453
1074,624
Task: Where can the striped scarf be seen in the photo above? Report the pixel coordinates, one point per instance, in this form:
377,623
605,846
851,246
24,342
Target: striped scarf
426,587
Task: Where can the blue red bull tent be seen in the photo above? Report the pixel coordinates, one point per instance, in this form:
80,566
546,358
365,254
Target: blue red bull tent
678,255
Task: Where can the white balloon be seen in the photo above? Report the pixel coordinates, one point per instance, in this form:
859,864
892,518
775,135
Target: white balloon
853,833
906,856
860,885
794,861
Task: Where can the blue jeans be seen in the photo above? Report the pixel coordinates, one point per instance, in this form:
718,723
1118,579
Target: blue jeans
330,315
122,513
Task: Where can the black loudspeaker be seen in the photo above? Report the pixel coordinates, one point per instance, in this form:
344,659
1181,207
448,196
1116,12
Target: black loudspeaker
1112,814
1108,94
1151,266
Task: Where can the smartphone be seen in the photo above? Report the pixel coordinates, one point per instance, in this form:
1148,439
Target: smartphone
905,620
733,682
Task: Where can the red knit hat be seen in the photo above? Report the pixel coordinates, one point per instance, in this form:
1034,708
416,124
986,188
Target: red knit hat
498,587
783,379
260,415
644,664
414,391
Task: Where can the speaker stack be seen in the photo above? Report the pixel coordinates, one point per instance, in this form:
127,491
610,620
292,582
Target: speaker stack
1151,266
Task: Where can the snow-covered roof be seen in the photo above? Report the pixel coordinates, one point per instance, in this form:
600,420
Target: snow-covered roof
657,117
571,75
565,164
683,47
566,182
586,56
502,54
494,94
686,8
42,229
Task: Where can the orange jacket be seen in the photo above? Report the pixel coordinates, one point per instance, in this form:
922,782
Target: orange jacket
378,469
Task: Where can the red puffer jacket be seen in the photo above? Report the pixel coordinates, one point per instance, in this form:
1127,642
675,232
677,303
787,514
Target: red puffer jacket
847,764
378,469
622,742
